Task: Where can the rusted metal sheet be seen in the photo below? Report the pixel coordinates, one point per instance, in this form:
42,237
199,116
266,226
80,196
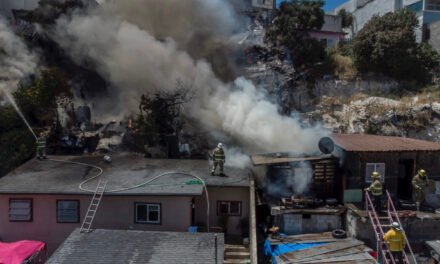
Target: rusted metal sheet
373,143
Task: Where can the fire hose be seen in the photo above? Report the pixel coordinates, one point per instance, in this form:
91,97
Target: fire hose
101,171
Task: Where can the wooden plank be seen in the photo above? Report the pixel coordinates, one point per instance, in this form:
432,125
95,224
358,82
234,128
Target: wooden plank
340,253
352,257
319,250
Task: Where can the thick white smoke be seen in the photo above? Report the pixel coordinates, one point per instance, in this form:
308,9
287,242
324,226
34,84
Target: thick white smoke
16,61
136,62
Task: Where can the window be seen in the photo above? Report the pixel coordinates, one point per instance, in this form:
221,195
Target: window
147,213
228,208
379,167
20,210
68,211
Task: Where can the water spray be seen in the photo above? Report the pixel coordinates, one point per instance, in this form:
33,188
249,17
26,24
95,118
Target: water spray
14,104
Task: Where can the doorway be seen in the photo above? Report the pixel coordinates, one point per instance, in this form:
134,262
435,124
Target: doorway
404,185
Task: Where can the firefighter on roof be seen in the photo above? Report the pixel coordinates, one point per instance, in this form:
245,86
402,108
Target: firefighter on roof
376,190
395,239
219,158
41,146
420,184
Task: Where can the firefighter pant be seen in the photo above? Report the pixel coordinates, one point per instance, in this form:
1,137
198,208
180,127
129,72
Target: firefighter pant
377,202
419,196
398,256
41,152
218,163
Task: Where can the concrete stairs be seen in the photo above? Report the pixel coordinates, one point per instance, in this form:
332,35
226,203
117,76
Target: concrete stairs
236,254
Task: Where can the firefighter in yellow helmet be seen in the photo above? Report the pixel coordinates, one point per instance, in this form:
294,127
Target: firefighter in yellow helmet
420,184
219,158
395,239
376,190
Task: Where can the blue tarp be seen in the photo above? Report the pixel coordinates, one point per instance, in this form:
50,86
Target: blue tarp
284,248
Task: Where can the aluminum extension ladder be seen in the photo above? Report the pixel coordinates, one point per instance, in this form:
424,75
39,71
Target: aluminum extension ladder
381,224
93,207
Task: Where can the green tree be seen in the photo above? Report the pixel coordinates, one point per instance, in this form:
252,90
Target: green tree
387,45
37,102
346,17
290,29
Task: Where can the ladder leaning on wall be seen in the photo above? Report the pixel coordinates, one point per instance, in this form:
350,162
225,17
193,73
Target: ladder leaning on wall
381,224
93,207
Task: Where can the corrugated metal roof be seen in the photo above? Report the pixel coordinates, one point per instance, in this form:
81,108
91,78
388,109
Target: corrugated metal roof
373,143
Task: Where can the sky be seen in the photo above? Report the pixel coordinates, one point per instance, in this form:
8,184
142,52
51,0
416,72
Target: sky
329,4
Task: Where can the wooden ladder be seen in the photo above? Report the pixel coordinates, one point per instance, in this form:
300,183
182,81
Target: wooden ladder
93,207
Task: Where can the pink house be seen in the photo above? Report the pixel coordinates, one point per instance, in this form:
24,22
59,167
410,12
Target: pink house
331,32
47,200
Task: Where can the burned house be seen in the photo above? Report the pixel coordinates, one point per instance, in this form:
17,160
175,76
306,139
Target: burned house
300,193
306,193
47,200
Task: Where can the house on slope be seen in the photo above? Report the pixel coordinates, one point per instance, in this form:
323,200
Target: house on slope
47,200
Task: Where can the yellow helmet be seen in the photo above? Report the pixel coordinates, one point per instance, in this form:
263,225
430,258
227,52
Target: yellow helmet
375,175
422,172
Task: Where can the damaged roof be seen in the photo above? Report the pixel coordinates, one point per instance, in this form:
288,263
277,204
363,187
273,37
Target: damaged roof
64,174
277,158
374,143
128,246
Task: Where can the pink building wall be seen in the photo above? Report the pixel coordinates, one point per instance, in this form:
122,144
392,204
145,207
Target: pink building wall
115,212
224,194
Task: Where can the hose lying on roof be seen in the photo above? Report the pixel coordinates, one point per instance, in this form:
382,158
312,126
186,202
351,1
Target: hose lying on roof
101,171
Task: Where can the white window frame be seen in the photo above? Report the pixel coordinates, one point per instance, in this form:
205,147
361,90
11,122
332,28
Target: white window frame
20,214
228,203
148,221
76,211
376,168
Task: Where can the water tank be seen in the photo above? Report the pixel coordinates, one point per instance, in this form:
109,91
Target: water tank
83,114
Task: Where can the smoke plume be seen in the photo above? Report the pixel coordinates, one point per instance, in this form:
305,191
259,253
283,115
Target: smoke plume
144,48
16,61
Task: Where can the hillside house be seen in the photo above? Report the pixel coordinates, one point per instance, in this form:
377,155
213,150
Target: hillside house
47,200
396,158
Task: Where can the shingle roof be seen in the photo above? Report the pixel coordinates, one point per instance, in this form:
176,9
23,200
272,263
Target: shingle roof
126,170
373,143
126,246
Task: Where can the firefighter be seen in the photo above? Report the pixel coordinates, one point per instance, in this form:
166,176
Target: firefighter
420,183
218,157
41,146
395,239
376,190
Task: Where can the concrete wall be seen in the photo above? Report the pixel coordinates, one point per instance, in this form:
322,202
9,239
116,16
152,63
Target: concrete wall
115,212
331,38
418,230
234,223
293,224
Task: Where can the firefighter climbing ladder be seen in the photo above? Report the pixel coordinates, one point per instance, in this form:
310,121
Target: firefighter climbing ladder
93,207
380,223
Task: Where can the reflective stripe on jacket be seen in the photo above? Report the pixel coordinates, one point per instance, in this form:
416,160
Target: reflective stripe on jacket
376,188
219,154
418,182
395,239
41,143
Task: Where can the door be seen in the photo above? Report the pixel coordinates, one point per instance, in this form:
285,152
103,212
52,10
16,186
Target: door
404,186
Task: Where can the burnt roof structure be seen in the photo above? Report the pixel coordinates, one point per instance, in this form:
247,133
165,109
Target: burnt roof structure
373,143
127,174
127,246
